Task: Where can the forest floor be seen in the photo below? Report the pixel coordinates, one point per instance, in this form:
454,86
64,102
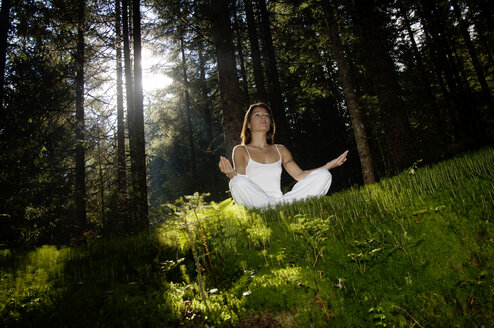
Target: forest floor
415,250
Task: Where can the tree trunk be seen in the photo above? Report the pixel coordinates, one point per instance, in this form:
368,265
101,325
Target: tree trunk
238,36
438,67
4,31
80,164
437,44
486,34
121,163
232,102
416,52
425,82
463,118
485,44
190,134
382,72
205,108
101,186
129,92
140,187
274,87
351,100
473,55
256,53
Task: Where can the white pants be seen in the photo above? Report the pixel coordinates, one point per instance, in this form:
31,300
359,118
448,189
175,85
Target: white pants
246,192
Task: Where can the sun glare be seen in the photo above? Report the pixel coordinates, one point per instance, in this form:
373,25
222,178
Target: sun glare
152,79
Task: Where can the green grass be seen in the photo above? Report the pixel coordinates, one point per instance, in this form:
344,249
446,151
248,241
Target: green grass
416,250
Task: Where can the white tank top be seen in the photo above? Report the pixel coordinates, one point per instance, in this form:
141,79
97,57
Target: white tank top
266,176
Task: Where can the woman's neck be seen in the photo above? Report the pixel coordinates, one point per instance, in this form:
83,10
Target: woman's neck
258,140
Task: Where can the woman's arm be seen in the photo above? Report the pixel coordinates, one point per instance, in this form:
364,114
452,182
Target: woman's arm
297,173
240,160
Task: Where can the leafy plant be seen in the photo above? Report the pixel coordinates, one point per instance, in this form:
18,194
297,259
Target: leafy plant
417,251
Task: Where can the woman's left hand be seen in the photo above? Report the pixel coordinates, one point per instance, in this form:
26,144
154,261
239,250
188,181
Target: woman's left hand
226,167
340,160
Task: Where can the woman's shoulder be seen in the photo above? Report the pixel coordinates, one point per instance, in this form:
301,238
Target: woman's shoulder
284,152
239,154
281,147
239,146
239,149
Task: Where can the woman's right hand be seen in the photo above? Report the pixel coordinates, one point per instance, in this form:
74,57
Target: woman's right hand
226,167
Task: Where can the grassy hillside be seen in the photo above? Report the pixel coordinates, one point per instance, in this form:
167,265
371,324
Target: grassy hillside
416,250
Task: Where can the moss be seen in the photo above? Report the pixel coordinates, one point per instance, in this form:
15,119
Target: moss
416,249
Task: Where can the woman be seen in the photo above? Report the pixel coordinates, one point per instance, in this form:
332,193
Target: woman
255,176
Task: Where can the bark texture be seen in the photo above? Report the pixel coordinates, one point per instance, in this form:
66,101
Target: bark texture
4,31
232,102
190,134
80,164
272,76
261,93
121,163
382,72
140,183
351,100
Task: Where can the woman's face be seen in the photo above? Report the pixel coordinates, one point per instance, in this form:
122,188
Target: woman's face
259,120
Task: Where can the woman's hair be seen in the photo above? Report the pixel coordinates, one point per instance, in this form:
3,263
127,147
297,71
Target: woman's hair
246,135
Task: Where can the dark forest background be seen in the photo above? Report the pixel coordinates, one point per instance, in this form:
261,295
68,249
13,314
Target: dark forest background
84,150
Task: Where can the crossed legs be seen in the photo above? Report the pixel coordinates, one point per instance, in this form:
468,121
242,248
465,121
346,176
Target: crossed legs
246,192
